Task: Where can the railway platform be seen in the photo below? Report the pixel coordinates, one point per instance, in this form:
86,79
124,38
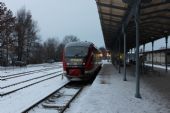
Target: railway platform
110,94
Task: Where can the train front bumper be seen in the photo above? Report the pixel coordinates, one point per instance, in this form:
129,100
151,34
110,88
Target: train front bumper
86,76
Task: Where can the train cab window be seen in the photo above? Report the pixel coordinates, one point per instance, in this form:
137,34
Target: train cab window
76,51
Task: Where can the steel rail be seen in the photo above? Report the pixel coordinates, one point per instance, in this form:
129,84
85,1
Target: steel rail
23,73
63,108
28,80
35,104
9,92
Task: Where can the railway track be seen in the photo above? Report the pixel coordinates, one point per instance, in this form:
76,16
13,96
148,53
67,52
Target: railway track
27,83
57,101
25,73
28,66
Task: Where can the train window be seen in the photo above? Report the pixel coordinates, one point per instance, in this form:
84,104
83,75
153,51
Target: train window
76,51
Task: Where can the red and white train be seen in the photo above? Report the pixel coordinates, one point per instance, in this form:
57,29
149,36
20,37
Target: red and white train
81,60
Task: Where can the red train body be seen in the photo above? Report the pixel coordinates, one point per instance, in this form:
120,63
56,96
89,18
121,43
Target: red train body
80,60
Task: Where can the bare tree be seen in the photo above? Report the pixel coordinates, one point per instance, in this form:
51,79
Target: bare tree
7,24
37,55
50,48
59,52
32,39
70,38
26,30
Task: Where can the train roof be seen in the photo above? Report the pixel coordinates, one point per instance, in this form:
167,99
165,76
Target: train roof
86,44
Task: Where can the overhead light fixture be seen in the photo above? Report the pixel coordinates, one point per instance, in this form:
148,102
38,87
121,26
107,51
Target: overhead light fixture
127,1
152,37
165,31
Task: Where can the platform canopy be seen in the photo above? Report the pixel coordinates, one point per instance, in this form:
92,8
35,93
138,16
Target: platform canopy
114,14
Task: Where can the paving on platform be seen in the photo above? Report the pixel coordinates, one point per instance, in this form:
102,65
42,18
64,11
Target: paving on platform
110,94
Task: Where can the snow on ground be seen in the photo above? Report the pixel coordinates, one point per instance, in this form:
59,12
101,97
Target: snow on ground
22,99
15,70
105,61
110,94
24,84
27,77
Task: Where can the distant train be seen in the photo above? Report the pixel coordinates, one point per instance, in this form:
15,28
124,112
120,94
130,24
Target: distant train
81,60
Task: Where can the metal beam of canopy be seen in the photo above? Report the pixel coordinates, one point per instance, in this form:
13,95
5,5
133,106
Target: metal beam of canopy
111,6
118,13
114,15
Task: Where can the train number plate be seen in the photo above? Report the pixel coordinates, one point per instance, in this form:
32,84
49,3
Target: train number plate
76,60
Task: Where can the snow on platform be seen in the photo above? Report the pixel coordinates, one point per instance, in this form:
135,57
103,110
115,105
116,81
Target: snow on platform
110,94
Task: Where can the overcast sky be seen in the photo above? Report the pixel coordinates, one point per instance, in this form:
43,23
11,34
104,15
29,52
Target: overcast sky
57,18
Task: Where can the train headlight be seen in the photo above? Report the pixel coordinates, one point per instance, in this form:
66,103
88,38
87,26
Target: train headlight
101,55
68,63
64,72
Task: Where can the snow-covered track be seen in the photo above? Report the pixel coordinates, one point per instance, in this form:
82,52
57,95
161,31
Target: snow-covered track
26,83
27,66
29,80
57,101
26,73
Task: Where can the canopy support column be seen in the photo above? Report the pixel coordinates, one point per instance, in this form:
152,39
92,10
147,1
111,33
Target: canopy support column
166,63
143,59
132,53
143,48
124,36
152,53
137,95
119,57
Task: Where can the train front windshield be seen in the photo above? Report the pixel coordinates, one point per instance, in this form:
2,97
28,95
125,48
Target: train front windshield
76,51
